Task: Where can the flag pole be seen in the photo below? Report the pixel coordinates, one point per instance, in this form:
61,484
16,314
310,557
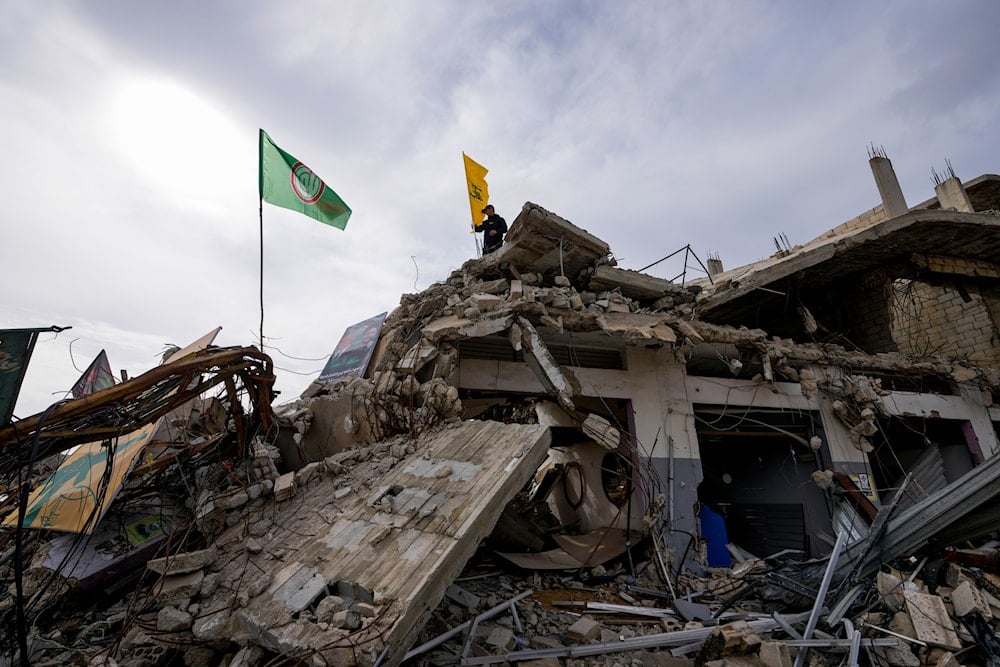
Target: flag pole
260,205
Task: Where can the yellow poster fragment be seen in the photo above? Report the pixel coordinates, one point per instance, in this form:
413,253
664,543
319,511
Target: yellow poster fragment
79,492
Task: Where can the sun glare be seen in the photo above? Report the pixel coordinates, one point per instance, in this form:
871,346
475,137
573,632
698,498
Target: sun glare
179,143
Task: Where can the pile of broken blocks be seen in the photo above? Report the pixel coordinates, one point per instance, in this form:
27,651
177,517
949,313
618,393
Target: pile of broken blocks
938,614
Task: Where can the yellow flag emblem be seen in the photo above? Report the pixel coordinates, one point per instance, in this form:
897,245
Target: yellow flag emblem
479,192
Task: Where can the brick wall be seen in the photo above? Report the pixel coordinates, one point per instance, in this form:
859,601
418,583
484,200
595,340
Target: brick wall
867,313
938,319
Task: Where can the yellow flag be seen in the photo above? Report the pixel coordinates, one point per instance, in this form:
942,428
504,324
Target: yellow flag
479,192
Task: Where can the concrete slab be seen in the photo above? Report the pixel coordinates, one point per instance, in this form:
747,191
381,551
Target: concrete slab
449,493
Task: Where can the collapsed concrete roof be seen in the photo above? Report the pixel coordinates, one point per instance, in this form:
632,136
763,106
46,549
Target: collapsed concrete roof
910,242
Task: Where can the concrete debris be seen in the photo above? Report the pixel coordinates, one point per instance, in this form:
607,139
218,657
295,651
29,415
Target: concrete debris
183,563
768,465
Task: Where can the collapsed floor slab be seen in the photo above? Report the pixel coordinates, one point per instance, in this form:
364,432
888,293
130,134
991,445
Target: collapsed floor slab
387,550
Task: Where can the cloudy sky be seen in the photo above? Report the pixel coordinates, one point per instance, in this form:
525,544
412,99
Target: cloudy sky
130,185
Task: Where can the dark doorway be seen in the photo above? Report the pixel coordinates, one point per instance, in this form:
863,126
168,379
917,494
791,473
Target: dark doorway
757,473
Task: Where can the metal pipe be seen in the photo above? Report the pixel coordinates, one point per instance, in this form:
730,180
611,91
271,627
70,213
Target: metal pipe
442,638
821,596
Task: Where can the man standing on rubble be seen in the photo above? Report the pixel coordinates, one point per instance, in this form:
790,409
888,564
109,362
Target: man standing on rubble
493,229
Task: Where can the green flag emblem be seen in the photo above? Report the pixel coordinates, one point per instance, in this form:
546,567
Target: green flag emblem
287,182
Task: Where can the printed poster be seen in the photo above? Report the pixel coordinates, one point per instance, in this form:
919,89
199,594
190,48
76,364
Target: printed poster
354,350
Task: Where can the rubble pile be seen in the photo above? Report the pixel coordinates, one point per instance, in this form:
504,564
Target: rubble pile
937,612
353,525
413,383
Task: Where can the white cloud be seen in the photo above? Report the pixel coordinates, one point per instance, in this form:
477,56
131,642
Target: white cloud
131,132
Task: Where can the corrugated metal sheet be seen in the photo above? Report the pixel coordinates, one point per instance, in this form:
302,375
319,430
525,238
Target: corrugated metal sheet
928,478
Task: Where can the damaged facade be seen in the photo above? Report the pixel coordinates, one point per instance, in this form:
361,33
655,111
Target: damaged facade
804,422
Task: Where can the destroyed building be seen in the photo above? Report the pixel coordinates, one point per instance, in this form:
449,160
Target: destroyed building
830,406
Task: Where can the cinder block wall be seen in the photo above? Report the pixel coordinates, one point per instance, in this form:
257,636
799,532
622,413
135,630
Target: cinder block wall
867,315
938,320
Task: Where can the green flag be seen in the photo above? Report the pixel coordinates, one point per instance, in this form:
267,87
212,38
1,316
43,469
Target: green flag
286,182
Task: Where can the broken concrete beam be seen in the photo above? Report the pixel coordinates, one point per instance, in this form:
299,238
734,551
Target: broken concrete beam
602,432
183,563
546,368
623,322
688,331
457,327
633,284
416,357
664,332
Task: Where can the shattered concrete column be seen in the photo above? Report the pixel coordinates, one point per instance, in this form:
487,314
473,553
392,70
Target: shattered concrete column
978,430
952,195
845,455
560,383
888,186
665,434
